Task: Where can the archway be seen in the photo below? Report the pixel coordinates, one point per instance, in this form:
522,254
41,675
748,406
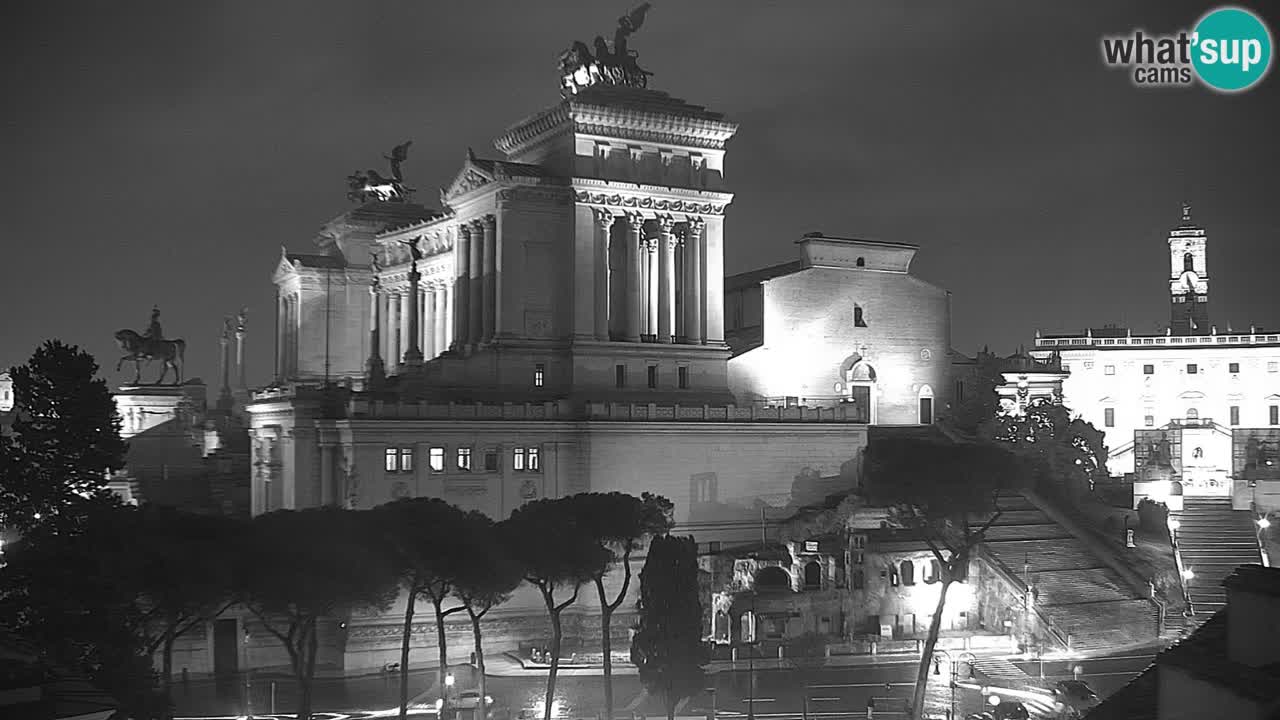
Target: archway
772,578
813,576
925,401
860,387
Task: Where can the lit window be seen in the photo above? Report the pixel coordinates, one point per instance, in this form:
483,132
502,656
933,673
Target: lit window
1088,365
534,457
464,458
1109,370
436,458
682,377
1148,369
811,546
1235,414
653,377
1149,420
620,375
406,459
1066,367
392,460
539,374
1109,417
1233,367
1192,369
517,459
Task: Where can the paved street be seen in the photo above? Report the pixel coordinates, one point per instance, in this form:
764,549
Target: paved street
834,693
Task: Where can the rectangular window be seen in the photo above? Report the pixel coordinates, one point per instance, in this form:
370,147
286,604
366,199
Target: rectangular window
682,377
539,374
1109,417
391,462
1088,365
1273,366
811,546
1192,369
1235,414
653,377
406,459
1066,367
1233,367
959,392
436,458
620,375
1274,411
1148,369
1149,420
1109,369
534,459
491,462
464,459
517,459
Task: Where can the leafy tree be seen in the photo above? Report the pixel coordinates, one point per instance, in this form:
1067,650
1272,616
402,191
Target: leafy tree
1070,452
70,588
488,578
620,523
422,535
66,438
310,565
937,490
667,647
981,403
554,550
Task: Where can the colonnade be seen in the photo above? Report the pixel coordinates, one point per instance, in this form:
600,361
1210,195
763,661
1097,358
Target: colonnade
393,314
653,273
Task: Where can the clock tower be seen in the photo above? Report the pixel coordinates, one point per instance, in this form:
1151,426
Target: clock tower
1188,278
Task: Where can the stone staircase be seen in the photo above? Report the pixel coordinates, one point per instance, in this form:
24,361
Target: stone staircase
1213,540
1076,591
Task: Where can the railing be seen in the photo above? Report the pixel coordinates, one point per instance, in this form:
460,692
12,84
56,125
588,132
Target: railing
728,413
1131,340
1182,570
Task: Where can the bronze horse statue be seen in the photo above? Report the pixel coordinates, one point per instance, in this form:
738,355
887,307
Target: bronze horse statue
138,348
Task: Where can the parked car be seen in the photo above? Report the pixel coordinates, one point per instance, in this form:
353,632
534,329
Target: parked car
1076,695
1010,710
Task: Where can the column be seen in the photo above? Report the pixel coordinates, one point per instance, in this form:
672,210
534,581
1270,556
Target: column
604,222
448,321
405,317
462,288
413,328
281,323
441,315
651,276
693,300
475,296
291,336
635,226
386,330
241,383
666,279
490,282
713,281
375,371
428,303
393,328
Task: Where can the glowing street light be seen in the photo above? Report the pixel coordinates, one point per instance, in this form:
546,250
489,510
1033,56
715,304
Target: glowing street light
448,680
1187,574
1174,524
1263,523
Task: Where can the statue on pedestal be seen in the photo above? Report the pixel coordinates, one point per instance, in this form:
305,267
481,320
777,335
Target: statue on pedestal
371,185
149,346
580,68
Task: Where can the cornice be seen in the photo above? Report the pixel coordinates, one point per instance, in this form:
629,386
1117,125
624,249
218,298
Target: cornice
627,196
524,133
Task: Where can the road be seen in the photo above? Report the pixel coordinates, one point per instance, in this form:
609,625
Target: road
833,693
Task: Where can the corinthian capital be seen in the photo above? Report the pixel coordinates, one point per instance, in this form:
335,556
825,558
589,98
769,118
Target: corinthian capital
636,221
490,222
666,224
604,218
696,225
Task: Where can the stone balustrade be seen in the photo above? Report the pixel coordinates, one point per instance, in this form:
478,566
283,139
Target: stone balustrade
1228,339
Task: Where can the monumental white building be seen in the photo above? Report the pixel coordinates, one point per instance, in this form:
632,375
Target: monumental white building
1195,410
558,326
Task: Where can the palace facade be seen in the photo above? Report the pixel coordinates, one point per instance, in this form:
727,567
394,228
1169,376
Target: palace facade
1193,411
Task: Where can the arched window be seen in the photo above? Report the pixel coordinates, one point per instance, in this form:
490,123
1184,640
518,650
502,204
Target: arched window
925,399
934,573
908,572
1193,414
858,319
721,630
862,262
813,576
772,578
1188,262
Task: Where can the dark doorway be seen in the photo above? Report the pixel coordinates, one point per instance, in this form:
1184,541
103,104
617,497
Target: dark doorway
926,411
226,648
860,398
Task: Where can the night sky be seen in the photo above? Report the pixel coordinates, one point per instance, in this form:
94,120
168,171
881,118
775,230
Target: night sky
162,152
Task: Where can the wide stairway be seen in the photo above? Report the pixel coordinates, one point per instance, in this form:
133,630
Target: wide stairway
1076,591
1213,540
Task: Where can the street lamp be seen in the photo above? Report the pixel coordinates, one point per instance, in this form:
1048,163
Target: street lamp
951,709
449,680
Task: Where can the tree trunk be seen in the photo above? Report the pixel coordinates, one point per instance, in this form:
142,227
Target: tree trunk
167,664
555,660
308,646
926,654
440,641
483,703
606,645
404,654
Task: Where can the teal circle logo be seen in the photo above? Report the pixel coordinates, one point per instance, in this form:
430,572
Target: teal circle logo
1231,49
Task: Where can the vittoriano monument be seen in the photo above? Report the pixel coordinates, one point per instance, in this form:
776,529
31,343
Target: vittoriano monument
370,185
581,69
149,346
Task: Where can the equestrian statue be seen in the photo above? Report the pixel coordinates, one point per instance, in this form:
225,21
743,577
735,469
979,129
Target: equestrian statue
149,346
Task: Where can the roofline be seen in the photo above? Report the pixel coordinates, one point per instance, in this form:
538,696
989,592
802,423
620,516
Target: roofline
857,241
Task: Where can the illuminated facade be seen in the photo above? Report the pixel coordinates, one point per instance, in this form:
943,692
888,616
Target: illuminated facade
846,324
1209,391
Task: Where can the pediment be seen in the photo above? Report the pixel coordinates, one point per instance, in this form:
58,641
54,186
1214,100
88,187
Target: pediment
1273,396
284,268
470,177
1191,395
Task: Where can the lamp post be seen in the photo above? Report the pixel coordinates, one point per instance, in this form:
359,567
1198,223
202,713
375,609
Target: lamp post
448,689
751,659
951,709
1263,523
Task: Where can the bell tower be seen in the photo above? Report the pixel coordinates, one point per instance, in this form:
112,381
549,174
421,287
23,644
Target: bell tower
1188,278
